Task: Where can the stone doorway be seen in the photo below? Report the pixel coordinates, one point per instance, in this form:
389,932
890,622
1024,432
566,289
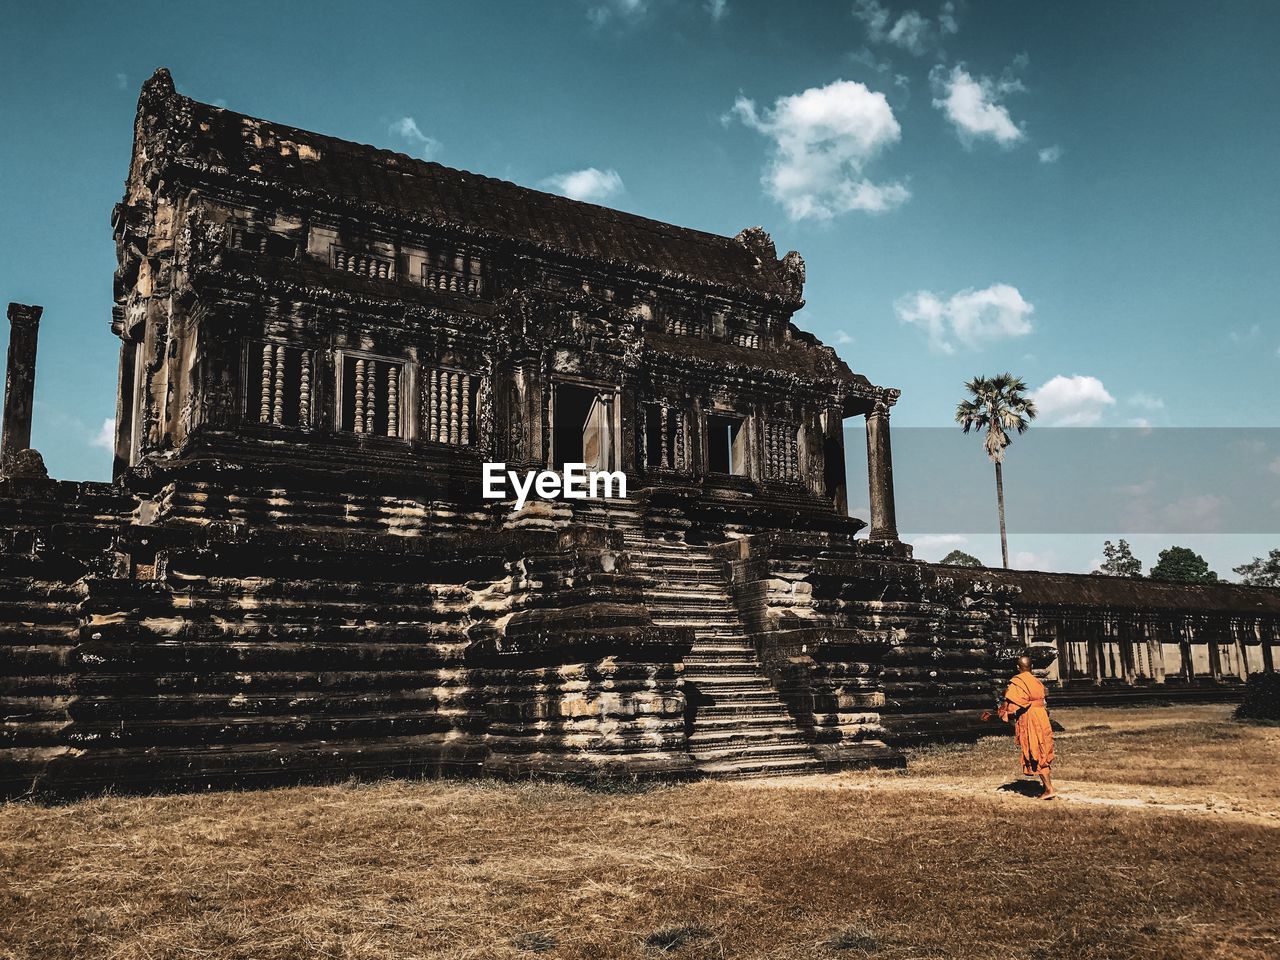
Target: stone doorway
583,428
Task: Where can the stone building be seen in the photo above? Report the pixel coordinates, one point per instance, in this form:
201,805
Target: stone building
295,573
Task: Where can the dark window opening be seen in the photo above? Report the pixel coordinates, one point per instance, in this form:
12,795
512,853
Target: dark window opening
583,428
726,444
371,396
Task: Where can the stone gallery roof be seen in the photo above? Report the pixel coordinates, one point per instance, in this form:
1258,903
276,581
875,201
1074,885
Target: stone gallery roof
1130,594
801,357
213,141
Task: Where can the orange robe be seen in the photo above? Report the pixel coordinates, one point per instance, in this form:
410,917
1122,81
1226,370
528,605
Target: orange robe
1024,704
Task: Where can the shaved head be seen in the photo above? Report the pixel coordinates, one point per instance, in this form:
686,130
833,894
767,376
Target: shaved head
1024,663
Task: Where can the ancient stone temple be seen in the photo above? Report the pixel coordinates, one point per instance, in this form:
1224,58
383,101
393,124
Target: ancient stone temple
296,574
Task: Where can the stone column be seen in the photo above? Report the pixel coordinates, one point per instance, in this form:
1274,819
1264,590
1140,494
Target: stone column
884,521
20,379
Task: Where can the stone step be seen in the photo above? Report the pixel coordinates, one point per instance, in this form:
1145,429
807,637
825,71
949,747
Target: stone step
706,739
725,670
752,754
728,717
759,767
693,666
710,600
724,622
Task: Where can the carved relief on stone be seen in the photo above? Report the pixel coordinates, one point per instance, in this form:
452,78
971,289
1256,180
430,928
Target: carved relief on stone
758,241
515,422
791,269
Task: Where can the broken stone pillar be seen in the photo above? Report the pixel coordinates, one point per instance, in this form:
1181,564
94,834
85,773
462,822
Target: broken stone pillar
884,520
20,381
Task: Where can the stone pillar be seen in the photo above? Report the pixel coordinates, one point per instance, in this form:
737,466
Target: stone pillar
1155,652
884,521
20,380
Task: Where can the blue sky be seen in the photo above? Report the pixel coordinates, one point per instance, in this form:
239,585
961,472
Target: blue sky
1081,193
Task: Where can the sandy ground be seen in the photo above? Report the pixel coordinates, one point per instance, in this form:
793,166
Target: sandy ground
1165,846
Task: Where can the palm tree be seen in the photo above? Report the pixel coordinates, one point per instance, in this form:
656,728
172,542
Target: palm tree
998,405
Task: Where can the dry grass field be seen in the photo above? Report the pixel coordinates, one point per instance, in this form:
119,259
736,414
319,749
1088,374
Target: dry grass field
1166,844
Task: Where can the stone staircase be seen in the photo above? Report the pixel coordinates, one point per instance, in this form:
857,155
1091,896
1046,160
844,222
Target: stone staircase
740,726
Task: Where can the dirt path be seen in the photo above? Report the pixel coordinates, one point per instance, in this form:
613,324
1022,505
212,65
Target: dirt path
1143,800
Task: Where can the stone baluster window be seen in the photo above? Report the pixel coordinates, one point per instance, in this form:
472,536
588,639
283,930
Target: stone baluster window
448,407
666,443
781,451
378,268
455,271
285,394
259,241
682,325
746,338
372,396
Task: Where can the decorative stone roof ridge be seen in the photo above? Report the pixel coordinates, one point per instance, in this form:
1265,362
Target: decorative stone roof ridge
358,292
207,141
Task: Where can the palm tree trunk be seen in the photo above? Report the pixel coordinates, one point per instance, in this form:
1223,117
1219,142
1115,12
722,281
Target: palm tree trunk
1004,541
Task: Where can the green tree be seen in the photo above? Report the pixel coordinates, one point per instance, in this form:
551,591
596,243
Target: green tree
1182,565
999,406
958,558
1119,560
1259,572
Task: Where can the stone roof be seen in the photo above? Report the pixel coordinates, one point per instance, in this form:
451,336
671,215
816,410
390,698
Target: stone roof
1127,593
802,357
211,143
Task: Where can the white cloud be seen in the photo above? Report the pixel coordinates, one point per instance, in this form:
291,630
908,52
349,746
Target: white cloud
1076,401
1142,489
1050,154
1031,560
122,81
972,104
1243,336
823,139
105,438
866,58
407,129
591,185
910,31
717,9
935,546
969,318
1146,401
1194,514
1274,466
602,13
947,18
842,338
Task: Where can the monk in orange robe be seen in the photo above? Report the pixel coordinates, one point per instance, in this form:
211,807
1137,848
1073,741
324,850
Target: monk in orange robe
1023,706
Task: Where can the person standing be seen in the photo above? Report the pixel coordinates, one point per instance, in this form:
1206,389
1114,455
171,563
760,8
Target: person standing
1024,707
